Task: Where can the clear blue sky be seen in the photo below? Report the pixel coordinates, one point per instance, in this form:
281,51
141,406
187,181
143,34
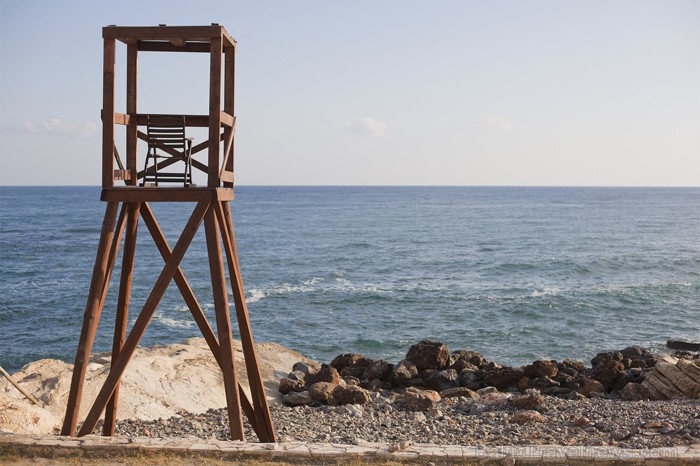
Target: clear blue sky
379,92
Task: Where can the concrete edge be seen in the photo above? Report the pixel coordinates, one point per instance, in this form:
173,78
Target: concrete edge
92,446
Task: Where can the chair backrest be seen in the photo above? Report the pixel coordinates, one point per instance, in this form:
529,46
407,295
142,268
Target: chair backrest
166,132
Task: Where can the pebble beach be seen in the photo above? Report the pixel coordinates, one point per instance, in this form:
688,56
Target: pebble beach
459,421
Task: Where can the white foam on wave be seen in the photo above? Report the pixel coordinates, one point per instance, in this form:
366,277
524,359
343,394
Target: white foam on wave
255,296
545,291
174,323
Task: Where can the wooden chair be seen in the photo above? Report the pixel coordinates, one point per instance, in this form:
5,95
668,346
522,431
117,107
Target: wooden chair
167,140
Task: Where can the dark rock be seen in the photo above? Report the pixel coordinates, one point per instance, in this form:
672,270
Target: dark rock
591,386
298,398
403,372
353,371
297,375
541,368
468,378
635,392
342,361
683,345
351,394
379,369
543,383
523,383
322,391
288,385
578,366
416,382
458,391
634,375
606,371
462,365
442,380
609,356
471,357
304,367
503,377
349,380
429,355
325,374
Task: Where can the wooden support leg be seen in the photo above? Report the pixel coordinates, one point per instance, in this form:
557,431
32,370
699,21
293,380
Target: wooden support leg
122,307
144,318
91,318
265,431
192,303
223,324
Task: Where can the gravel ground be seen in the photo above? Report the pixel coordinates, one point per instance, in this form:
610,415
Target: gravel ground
462,421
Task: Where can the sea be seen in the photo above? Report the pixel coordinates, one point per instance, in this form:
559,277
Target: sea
516,273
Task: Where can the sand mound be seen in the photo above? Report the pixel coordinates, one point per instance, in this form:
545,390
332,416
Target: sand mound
159,382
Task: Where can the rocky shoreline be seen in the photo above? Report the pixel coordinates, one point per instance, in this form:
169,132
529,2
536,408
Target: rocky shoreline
460,398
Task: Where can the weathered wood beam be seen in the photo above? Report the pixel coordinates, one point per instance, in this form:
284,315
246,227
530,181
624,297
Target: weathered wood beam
151,46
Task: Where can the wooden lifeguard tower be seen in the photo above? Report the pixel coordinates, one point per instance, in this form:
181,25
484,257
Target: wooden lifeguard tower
166,134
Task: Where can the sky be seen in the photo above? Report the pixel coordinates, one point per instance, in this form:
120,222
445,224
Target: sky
505,92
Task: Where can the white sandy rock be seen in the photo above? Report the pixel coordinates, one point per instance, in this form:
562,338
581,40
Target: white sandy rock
159,382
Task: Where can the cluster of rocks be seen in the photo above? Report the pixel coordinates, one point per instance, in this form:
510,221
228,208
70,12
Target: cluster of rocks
431,372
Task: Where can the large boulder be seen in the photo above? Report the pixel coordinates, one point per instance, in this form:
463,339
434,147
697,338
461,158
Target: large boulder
379,369
322,391
606,371
414,399
503,377
442,380
325,374
541,368
403,372
429,355
350,394
298,398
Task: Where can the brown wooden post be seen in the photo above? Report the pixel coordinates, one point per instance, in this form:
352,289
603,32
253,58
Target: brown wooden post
214,112
229,105
266,431
90,319
131,110
123,300
223,324
108,114
143,319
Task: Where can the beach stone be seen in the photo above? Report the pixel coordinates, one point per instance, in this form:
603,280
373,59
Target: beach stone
349,380
304,367
529,401
413,399
470,380
543,383
429,355
288,385
527,417
524,383
503,377
690,369
325,374
472,357
462,365
676,376
541,368
607,356
298,376
634,392
322,391
591,386
379,369
606,371
442,380
403,372
344,360
578,366
458,391
351,394
298,398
